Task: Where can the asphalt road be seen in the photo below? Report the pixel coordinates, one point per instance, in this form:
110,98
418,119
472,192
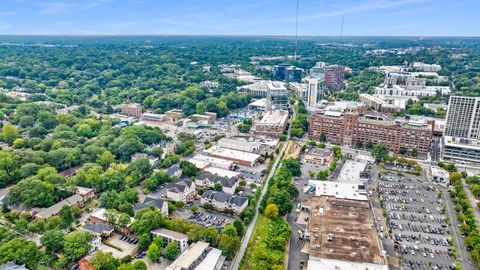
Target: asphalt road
463,256
248,233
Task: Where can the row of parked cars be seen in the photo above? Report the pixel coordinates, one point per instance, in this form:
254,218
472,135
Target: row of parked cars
129,239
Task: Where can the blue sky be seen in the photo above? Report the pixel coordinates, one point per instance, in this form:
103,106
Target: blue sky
241,17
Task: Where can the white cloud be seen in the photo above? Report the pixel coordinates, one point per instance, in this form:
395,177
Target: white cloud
361,7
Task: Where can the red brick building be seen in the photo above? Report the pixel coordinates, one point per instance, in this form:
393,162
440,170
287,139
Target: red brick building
348,128
334,77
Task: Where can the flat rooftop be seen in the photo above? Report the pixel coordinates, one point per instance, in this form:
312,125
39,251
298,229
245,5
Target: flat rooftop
351,171
321,152
187,258
169,233
222,172
232,154
331,233
275,117
326,264
340,190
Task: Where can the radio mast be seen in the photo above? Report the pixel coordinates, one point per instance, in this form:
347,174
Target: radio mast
296,34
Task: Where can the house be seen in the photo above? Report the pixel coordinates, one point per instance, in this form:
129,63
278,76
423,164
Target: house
208,179
224,202
151,159
151,201
181,191
99,228
53,210
86,193
169,236
174,170
100,216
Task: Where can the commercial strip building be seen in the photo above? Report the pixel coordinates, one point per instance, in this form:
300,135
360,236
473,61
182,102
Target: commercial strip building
215,162
352,190
242,158
351,125
353,170
198,256
272,123
461,140
260,89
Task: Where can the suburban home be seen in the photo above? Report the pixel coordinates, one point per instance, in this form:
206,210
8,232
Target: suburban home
151,159
224,202
86,193
174,170
181,191
101,216
207,179
151,201
53,210
101,229
169,236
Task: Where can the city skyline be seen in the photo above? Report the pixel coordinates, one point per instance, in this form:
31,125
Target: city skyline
185,17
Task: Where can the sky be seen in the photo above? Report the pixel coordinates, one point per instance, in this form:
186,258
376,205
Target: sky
241,17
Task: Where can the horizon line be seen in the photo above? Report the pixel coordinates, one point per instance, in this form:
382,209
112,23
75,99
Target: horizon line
229,35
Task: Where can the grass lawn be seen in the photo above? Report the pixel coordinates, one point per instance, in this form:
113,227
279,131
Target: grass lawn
260,229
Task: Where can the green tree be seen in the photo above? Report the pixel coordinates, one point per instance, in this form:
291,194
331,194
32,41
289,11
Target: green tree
52,240
271,211
66,216
77,244
414,152
9,133
171,251
217,186
104,261
380,152
144,241
21,251
403,150
229,244
153,252
106,159
139,265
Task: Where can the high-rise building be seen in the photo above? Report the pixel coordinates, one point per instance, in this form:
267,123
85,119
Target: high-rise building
463,117
315,89
334,77
293,74
317,71
278,72
287,73
461,136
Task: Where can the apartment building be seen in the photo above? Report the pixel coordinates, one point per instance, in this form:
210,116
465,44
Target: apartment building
461,141
350,128
334,77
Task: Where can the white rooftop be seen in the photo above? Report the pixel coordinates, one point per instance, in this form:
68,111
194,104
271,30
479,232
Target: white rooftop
330,264
210,260
437,171
350,191
222,172
274,117
232,154
214,160
351,171
187,258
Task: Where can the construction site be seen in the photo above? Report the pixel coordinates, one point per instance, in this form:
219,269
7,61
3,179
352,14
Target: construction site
342,230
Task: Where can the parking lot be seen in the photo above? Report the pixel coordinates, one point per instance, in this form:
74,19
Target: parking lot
124,245
252,174
416,218
208,218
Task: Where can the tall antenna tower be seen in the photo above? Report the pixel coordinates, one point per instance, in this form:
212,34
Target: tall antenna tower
296,34
341,29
